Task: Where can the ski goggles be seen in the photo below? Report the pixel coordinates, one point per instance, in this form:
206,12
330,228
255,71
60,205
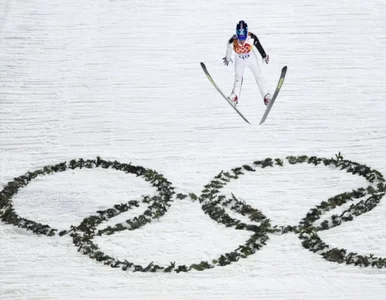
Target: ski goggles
242,34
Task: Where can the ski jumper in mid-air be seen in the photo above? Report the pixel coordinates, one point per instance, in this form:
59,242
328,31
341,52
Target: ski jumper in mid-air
242,44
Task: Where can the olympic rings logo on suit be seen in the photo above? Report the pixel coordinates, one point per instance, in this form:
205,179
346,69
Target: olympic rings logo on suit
242,49
213,204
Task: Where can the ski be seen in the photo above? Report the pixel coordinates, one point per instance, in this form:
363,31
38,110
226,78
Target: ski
280,83
221,93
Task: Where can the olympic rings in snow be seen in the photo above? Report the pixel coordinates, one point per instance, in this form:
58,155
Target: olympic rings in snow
215,205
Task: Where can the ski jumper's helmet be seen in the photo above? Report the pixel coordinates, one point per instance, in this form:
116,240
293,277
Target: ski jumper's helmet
242,30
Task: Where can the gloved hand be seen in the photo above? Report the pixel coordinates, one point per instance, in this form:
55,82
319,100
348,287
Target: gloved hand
226,61
266,59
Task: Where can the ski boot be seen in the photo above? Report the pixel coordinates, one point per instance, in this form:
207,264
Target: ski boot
267,99
233,98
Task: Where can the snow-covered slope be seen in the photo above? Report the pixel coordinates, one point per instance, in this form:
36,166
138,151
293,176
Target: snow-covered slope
121,80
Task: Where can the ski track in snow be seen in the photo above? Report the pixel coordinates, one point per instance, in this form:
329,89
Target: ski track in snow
122,80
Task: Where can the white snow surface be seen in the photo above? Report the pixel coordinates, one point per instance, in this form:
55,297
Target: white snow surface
121,80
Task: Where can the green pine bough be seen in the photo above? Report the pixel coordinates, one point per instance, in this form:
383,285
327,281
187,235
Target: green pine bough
215,205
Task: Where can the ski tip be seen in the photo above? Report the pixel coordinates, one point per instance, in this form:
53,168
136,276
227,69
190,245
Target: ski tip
284,68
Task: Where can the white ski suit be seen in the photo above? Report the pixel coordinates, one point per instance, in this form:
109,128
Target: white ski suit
245,56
